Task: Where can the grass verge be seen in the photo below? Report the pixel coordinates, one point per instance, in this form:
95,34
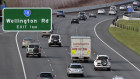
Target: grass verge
130,39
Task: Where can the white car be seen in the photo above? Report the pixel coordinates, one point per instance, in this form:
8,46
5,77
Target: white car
101,11
75,69
136,3
122,7
117,77
102,62
112,12
130,6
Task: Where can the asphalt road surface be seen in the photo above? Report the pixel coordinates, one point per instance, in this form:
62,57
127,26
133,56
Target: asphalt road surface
56,59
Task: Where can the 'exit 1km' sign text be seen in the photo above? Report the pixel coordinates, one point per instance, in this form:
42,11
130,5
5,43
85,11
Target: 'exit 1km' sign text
27,19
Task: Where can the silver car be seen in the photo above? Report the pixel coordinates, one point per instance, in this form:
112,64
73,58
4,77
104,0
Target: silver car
123,7
75,69
117,77
26,41
33,49
101,11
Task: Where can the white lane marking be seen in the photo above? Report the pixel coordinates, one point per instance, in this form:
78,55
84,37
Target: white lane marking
20,57
52,70
51,67
112,48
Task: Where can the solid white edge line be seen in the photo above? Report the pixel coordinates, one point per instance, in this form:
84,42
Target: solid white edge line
20,57
112,48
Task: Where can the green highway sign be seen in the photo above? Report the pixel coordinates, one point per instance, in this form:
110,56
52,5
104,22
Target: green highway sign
27,19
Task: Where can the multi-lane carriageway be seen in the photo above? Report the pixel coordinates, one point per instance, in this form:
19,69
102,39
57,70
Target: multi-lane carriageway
15,65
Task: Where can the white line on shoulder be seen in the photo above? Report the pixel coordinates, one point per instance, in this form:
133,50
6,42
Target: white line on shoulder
20,56
112,48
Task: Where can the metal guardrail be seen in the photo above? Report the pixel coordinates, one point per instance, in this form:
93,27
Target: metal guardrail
68,10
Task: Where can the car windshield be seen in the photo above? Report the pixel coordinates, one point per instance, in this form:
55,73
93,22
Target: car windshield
55,37
76,66
32,46
60,11
45,75
122,5
75,19
27,39
112,10
135,6
92,13
102,58
82,13
129,5
101,10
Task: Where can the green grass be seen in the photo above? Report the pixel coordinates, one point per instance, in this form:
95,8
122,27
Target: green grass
134,23
130,39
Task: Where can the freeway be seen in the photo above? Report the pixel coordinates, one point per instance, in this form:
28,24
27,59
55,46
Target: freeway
56,59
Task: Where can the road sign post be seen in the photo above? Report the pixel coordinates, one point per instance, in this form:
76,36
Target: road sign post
27,19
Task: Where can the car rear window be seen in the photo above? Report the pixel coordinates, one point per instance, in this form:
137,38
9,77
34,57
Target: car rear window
45,75
82,13
102,58
32,46
55,37
60,11
27,39
76,66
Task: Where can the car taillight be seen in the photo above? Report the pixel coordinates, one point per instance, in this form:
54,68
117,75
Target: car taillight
27,49
40,50
69,69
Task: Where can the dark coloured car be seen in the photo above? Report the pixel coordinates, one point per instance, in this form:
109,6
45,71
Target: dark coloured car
45,75
82,17
60,13
135,8
74,20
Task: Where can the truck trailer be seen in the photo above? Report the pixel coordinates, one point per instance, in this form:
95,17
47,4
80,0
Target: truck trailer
80,48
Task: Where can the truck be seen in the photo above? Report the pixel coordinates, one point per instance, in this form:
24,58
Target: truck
80,48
